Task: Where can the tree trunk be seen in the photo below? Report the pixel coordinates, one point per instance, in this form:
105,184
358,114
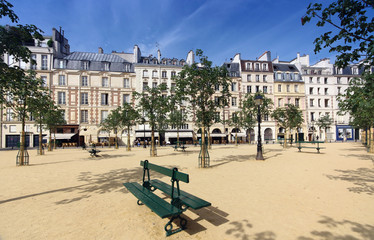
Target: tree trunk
116,141
40,140
21,160
325,134
371,150
209,140
54,141
203,147
177,135
285,138
128,139
236,138
50,140
153,153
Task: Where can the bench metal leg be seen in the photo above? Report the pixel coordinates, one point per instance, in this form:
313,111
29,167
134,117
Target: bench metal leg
169,226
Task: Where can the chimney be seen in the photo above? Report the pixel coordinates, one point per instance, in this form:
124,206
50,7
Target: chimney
159,55
101,51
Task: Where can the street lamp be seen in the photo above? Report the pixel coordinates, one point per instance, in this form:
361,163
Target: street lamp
259,100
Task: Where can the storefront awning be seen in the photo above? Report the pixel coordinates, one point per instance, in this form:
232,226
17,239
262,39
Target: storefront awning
239,134
218,135
181,134
60,136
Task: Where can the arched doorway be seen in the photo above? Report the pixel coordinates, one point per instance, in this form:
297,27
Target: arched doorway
217,136
281,132
268,134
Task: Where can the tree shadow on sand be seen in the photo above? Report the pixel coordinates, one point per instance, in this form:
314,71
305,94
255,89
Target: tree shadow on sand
242,230
94,184
361,231
362,178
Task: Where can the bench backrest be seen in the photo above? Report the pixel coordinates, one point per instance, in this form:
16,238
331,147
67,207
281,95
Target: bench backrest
166,171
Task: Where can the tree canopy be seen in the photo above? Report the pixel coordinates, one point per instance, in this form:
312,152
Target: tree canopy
351,36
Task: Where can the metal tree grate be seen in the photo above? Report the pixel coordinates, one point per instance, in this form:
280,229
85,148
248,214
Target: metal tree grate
25,157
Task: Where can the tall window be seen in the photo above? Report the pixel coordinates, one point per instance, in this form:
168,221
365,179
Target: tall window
248,77
310,79
172,88
84,81
84,116
339,90
249,89
264,67
297,102
248,66
154,74
296,88
319,102
126,83
311,90
311,102
264,78
216,87
257,78
84,98
233,87
318,80
62,64
216,100
85,65
326,103
257,67
233,101
288,88
61,80
326,91
279,88
44,62
104,115
63,114
33,65
145,86
312,116
154,84
145,73
44,81
265,89
173,74
279,102
9,114
126,98
106,66
217,117
164,74
61,98
104,99
104,82
325,80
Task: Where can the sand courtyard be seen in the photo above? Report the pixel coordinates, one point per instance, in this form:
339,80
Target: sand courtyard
66,194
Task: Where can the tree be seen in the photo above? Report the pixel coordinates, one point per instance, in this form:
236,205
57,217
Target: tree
198,82
54,117
151,104
113,123
236,121
288,117
249,109
39,107
324,122
18,98
161,114
352,26
358,101
129,116
177,116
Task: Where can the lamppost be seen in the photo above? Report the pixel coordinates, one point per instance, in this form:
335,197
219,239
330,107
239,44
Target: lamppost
259,100
144,146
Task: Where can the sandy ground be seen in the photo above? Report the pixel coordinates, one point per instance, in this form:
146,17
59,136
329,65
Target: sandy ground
66,194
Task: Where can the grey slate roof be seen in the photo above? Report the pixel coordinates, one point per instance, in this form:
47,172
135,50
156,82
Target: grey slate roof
285,67
94,57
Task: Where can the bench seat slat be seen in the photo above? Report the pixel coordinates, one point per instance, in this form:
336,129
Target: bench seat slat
154,202
187,199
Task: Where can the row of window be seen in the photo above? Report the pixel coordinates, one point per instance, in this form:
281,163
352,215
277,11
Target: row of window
257,78
146,85
61,98
217,116
296,103
287,76
326,101
257,89
84,81
288,88
155,74
256,66
326,90
312,115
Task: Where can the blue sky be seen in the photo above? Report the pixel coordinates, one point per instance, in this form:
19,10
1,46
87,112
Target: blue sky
221,28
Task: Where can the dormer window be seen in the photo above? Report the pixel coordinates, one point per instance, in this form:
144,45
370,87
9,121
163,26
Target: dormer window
61,64
106,66
85,65
257,67
264,67
248,66
127,68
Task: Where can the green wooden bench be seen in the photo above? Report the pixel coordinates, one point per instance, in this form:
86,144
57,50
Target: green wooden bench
181,146
180,200
93,152
312,142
